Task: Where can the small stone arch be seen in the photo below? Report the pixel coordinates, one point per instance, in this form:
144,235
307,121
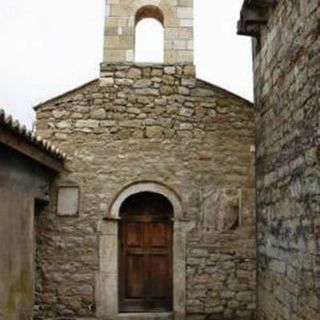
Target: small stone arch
107,294
176,20
146,186
169,15
149,12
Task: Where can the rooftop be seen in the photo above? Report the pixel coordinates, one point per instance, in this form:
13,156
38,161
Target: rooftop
20,138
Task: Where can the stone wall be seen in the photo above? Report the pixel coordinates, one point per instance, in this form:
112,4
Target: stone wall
288,182
176,16
152,123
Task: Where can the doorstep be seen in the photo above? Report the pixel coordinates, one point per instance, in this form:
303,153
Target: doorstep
145,316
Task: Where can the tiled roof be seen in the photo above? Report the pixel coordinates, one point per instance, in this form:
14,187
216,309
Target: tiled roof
22,131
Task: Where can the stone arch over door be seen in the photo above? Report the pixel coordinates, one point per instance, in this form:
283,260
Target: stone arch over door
107,291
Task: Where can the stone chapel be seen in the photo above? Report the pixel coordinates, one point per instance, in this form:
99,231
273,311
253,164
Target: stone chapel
154,217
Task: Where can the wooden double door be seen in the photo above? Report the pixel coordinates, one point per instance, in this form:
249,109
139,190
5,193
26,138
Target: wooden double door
146,255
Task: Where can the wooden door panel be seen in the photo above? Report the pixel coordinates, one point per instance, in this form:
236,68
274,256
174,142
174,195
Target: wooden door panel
134,276
147,265
159,276
134,236
159,234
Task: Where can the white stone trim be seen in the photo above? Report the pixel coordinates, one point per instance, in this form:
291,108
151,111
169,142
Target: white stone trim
107,294
147,186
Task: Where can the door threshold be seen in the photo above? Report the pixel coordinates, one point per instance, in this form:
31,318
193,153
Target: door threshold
145,316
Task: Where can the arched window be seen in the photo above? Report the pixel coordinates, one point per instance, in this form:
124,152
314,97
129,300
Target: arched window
149,39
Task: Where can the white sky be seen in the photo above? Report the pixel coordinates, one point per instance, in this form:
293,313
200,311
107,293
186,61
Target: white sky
149,41
50,46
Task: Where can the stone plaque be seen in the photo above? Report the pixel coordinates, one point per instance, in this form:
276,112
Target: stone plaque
222,209
68,201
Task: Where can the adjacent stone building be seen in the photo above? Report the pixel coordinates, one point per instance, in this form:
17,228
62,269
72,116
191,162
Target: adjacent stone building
155,217
28,166
287,85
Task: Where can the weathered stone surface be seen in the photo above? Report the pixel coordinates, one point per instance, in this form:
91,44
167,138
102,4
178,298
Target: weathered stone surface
87,124
198,92
134,73
98,114
65,124
167,90
147,92
170,70
58,113
149,134
143,83
107,81
222,209
286,64
154,132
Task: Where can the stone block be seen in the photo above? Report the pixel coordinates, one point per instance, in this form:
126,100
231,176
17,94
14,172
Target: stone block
221,209
154,132
92,124
68,201
185,13
134,73
98,114
142,83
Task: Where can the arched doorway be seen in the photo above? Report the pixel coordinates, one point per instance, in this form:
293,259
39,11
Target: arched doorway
107,278
145,253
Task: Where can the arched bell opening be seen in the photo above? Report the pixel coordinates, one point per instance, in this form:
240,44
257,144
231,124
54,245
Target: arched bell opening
149,35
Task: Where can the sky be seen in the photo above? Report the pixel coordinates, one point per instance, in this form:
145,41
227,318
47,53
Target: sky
48,47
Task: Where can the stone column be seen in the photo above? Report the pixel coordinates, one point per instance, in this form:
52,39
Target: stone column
181,228
107,278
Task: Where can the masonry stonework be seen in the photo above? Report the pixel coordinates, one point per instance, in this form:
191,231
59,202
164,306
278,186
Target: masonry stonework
154,124
176,17
286,64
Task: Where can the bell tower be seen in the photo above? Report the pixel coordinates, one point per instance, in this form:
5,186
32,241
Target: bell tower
122,16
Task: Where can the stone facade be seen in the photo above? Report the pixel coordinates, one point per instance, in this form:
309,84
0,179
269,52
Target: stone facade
286,64
176,16
156,125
